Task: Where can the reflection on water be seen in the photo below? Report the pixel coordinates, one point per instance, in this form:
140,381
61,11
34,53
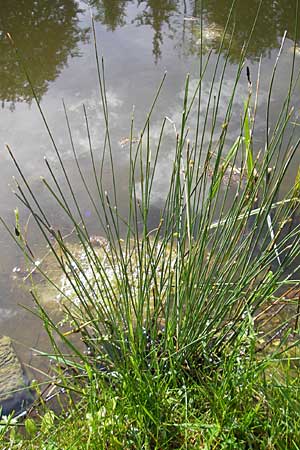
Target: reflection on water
112,14
272,21
46,34
140,40
274,18
157,14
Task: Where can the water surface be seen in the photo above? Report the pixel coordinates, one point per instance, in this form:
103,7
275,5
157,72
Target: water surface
140,40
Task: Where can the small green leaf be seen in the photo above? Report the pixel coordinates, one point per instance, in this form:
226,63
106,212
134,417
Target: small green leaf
47,421
248,138
296,188
30,427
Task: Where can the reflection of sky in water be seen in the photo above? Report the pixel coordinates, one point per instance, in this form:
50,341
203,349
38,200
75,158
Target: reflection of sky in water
132,79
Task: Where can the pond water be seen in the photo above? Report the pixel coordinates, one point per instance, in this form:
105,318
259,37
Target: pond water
140,40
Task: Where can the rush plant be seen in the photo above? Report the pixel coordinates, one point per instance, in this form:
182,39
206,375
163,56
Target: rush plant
198,292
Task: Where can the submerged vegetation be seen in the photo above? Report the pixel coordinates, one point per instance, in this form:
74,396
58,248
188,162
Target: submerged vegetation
182,333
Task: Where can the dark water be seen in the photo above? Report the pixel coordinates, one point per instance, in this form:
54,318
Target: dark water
139,40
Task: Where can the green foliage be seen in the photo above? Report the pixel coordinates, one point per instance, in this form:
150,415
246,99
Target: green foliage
248,139
30,427
178,317
246,404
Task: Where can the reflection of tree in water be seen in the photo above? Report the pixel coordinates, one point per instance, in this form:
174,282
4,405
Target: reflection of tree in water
46,33
157,13
275,16
111,13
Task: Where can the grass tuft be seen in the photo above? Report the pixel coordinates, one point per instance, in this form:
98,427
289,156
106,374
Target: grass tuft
183,337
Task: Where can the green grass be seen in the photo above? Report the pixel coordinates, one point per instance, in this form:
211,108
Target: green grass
233,408
180,319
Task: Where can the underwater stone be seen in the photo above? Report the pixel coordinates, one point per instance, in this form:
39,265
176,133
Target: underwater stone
14,392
